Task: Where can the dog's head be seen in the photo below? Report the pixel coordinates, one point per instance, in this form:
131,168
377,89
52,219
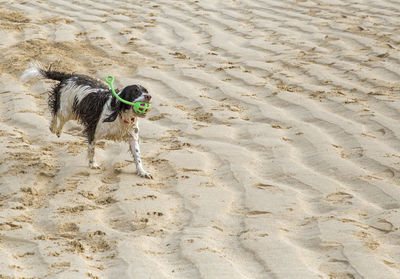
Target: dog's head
131,93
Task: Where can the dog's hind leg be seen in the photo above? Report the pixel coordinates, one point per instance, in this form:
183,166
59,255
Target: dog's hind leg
53,124
61,122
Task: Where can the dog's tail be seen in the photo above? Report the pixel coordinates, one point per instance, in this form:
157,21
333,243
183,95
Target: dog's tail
36,70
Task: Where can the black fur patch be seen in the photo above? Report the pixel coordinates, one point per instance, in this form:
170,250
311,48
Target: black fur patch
89,110
55,75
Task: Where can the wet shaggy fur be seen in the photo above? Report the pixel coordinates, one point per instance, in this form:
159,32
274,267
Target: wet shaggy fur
80,80
91,102
89,111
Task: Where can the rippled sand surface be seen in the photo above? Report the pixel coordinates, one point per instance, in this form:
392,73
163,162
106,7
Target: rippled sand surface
274,141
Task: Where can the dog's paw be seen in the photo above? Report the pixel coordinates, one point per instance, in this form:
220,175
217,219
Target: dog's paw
145,174
94,165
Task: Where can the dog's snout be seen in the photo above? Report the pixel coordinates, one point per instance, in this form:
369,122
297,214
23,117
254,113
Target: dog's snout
147,98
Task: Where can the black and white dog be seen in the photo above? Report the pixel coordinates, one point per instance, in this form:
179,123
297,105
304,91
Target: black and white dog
91,102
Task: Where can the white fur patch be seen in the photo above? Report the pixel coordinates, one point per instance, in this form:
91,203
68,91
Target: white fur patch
31,73
140,98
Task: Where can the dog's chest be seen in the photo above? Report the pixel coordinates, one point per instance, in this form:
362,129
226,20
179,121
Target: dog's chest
118,130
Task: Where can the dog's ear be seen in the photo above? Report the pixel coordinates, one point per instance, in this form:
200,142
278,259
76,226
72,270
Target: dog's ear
115,108
111,117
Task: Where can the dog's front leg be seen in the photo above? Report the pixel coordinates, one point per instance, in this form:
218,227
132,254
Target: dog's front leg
92,162
135,149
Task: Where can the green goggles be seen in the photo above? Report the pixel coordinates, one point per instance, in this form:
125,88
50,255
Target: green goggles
138,107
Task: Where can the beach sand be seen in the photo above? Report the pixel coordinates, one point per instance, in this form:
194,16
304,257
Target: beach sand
273,139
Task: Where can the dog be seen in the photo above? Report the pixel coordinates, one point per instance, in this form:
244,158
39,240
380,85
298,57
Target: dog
92,103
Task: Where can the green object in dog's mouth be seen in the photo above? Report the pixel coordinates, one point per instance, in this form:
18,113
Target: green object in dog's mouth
140,108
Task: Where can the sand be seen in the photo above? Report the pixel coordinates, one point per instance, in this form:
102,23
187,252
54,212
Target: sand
273,139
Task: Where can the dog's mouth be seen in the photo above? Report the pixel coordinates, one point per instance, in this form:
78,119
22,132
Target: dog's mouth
141,106
141,109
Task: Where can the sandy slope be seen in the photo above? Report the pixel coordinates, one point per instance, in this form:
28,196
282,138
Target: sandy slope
274,141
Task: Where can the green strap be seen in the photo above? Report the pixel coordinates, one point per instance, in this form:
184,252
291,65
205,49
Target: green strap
109,80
